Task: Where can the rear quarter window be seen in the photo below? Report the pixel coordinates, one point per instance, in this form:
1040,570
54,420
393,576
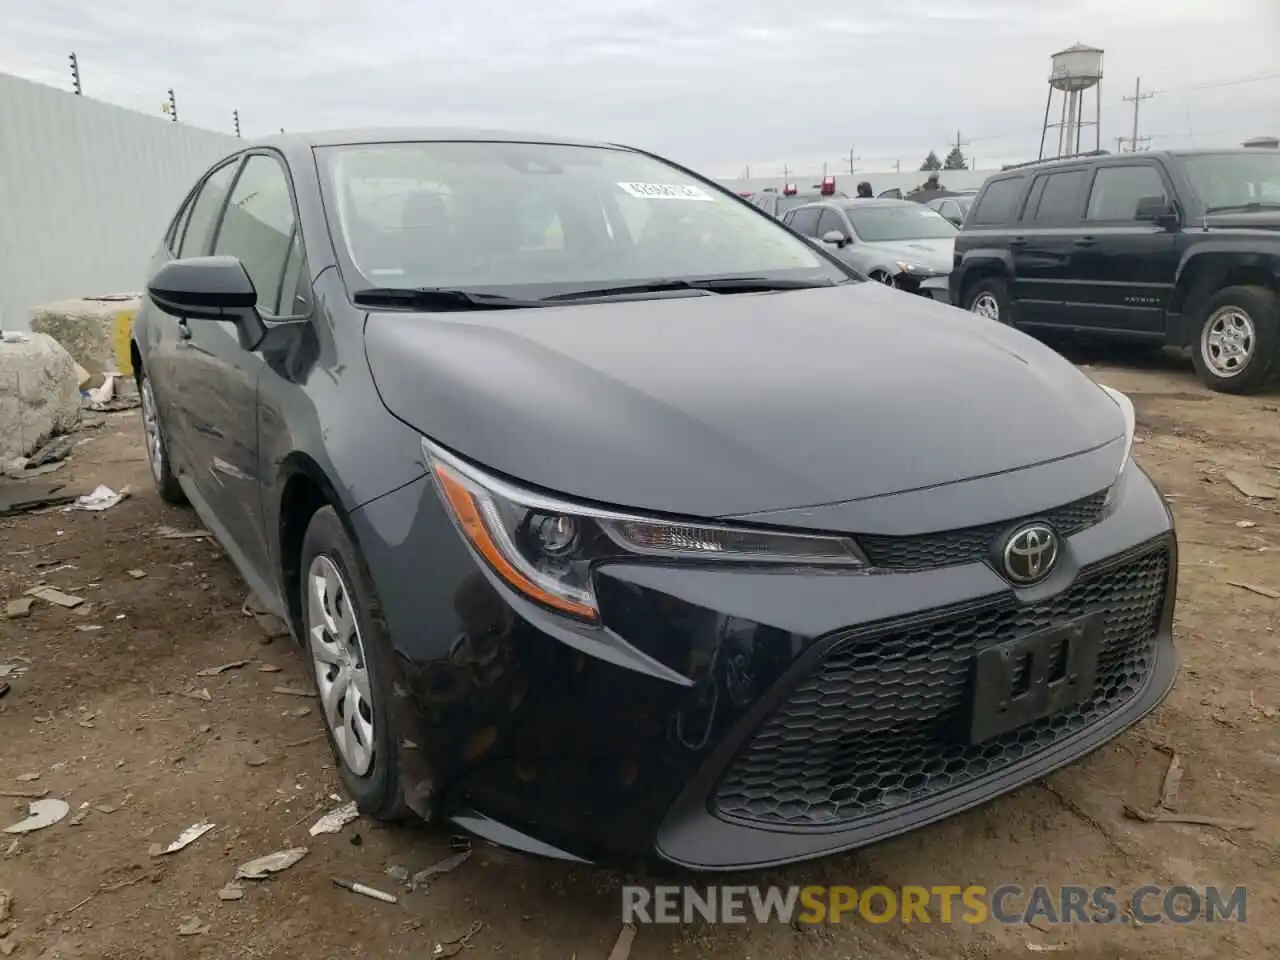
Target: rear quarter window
997,203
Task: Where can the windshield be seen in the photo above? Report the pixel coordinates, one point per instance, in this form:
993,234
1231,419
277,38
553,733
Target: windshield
1235,179
532,220
905,221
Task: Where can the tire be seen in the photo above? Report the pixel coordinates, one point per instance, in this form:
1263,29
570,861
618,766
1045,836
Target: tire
879,276
989,297
157,448
359,730
1236,339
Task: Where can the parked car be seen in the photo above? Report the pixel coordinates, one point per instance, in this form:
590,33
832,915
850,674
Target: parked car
777,204
895,242
651,531
954,208
1172,248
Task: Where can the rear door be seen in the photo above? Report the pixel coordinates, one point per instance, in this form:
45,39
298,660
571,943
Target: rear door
1123,269
1043,243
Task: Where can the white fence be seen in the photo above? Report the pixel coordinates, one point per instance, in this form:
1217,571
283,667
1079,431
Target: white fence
86,190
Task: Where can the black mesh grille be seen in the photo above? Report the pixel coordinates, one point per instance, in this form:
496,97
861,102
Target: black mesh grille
970,544
880,723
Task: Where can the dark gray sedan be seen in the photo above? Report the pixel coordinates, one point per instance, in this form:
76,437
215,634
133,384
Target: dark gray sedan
615,519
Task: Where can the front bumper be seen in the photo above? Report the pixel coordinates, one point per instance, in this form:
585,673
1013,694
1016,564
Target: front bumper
763,716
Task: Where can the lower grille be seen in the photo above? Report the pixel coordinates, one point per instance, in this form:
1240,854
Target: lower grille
970,544
879,724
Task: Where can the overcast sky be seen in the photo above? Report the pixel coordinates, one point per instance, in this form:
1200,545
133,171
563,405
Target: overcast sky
715,84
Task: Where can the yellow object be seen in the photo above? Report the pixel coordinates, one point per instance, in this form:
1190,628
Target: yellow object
123,330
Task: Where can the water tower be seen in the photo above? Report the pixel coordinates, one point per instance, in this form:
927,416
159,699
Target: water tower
1076,70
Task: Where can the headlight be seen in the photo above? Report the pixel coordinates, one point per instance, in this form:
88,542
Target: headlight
1130,427
545,548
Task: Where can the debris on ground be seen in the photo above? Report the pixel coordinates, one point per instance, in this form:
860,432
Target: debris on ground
1165,809
451,948
137,574
268,668
27,496
622,946
55,451
171,533
24,794
192,927
102,498
6,905
231,891
188,837
262,867
18,608
1252,487
397,873
201,694
364,891
1245,524
336,819
296,712
422,877
40,814
1254,588
222,668
56,597
291,691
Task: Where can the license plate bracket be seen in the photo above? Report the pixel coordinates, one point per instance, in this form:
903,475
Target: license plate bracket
1020,681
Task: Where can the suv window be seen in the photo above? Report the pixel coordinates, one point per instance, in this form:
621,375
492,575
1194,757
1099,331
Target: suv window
204,212
828,221
259,228
806,221
1055,197
997,203
1117,190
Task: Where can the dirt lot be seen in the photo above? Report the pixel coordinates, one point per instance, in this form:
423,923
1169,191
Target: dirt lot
107,708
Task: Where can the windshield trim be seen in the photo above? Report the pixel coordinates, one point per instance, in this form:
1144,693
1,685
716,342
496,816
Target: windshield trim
354,280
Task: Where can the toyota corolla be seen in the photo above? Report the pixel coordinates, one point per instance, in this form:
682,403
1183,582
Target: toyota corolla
615,519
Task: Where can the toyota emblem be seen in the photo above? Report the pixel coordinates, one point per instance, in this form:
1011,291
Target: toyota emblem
1030,553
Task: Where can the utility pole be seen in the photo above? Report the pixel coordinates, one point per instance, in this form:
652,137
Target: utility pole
75,74
1136,100
235,115
852,160
897,166
960,144
170,107
786,173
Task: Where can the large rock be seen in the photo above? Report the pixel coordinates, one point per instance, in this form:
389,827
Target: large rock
95,330
39,394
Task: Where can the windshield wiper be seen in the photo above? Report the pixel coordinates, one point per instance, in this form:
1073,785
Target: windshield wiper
437,298
713,285
1249,207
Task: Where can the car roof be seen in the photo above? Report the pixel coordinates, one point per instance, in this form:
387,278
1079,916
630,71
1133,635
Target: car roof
374,135
1035,166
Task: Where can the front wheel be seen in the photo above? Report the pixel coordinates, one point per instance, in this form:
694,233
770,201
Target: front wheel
157,447
350,654
1237,339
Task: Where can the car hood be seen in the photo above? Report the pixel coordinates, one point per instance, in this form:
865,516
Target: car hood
936,255
722,405
1244,220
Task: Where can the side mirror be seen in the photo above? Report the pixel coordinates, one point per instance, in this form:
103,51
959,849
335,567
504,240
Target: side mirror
210,288
835,238
1157,210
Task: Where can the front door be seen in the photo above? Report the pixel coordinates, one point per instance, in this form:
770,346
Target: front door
221,382
1124,267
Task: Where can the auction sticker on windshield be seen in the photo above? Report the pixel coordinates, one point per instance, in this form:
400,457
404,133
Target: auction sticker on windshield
666,191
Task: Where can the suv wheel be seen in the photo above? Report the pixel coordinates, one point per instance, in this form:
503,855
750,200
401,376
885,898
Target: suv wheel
157,449
1238,339
990,298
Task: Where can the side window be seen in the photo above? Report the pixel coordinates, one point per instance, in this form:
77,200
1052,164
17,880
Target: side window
173,237
805,221
830,220
205,210
951,210
998,202
259,227
1060,199
1117,190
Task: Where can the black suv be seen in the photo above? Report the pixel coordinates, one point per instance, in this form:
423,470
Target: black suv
1178,248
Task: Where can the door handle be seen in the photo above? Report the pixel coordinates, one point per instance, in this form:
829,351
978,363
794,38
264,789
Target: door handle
1018,242
184,331
1084,241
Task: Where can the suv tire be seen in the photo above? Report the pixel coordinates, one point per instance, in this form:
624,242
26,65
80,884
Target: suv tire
990,297
1236,339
